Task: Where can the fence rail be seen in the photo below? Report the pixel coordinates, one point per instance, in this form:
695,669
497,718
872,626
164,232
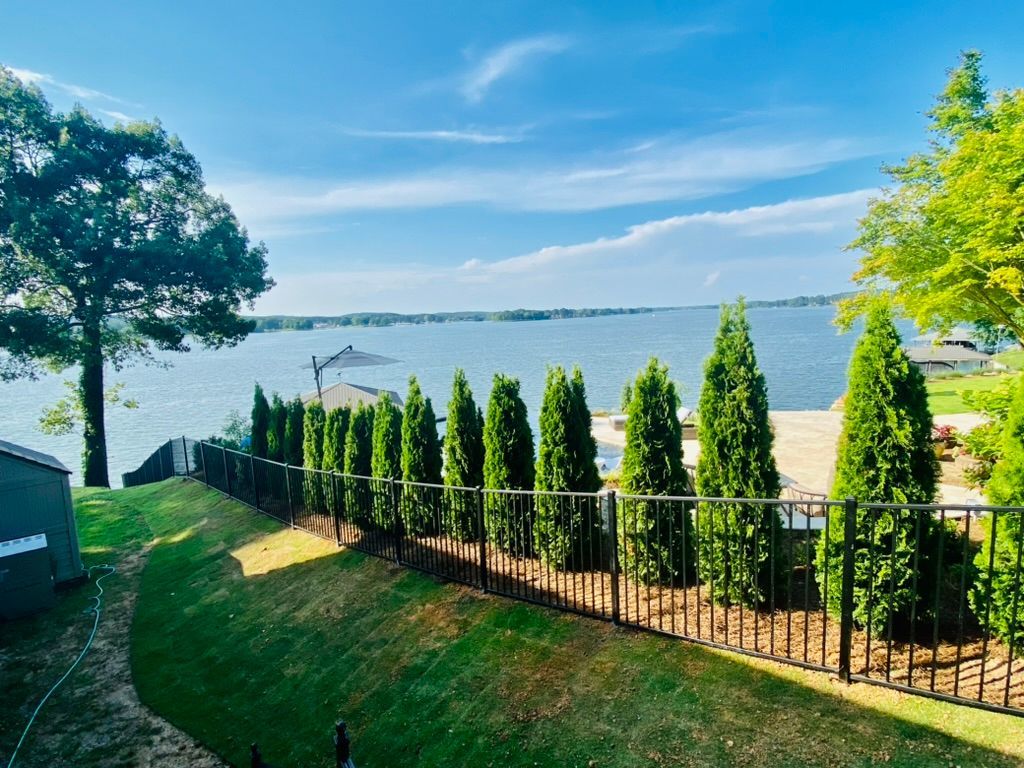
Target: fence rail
772,578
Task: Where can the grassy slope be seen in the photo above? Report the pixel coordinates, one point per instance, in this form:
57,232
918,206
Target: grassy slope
245,631
943,393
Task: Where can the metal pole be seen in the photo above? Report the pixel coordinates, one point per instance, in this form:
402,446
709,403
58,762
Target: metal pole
397,522
227,477
252,474
184,451
613,552
202,455
336,508
482,536
846,597
288,486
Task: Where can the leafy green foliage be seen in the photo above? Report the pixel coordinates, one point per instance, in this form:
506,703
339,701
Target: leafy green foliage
387,439
986,441
277,422
567,529
885,456
508,465
260,423
293,433
110,247
359,461
463,458
741,552
944,239
335,435
314,421
655,537
68,413
997,597
421,462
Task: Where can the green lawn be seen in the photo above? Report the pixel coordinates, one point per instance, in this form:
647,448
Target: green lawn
245,631
1011,358
943,392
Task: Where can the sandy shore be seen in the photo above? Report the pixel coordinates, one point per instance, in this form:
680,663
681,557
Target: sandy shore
805,447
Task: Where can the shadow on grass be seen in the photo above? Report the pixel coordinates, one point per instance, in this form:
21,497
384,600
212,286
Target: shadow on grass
430,673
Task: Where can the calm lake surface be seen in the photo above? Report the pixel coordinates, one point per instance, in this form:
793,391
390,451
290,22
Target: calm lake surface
803,357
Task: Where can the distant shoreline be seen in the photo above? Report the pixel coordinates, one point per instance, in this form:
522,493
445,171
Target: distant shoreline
274,323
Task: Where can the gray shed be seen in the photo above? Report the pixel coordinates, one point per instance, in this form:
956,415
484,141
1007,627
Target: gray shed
35,497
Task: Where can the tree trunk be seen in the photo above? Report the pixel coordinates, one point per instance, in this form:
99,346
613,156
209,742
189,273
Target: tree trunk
94,434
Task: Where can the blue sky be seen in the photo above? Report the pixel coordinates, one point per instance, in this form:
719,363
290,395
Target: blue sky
421,157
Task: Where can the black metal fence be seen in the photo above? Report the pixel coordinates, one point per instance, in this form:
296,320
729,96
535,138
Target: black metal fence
772,578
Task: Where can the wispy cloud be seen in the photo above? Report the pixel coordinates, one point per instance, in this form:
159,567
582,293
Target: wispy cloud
506,60
78,91
691,254
670,170
455,136
119,116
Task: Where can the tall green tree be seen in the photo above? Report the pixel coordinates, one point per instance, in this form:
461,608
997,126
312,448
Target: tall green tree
314,483
655,537
463,457
885,456
387,439
508,465
293,433
567,530
276,428
335,435
359,496
943,241
260,423
741,545
110,248
997,596
421,463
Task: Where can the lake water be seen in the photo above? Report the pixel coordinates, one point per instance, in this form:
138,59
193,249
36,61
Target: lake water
803,357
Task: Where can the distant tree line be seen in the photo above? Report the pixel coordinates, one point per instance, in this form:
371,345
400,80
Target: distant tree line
377,319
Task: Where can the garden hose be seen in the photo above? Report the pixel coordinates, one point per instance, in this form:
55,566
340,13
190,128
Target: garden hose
95,610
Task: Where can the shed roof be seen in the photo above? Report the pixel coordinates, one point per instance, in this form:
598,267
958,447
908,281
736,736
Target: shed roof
35,457
951,354
344,394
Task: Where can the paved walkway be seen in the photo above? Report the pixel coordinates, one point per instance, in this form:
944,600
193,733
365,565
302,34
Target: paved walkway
805,447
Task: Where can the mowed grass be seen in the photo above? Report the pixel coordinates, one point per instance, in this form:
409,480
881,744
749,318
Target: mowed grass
247,632
944,392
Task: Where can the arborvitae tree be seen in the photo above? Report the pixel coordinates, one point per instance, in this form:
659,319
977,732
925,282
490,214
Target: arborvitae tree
335,435
885,456
655,537
359,461
463,458
741,550
998,594
314,421
387,439
260,423
313,424
567,531
627,396
276,428
293,438
508,464
421,462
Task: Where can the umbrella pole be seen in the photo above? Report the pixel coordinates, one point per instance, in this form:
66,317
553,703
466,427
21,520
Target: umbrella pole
316,375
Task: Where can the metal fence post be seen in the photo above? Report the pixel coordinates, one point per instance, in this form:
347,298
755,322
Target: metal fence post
184,452
227,477
202,455
336,507
397,522
252,474
846,596
482,537
288,490
613,551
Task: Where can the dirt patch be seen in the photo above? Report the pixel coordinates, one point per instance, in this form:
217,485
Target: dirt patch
109,726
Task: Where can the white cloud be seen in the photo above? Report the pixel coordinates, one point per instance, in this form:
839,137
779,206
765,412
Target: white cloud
27,76
664,262
676,170
466,136
119,116
507,59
